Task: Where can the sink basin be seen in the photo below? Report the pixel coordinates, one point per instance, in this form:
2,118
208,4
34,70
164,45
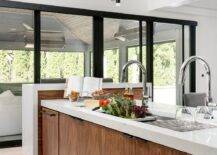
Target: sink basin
172,123
176,125
152,118
179,125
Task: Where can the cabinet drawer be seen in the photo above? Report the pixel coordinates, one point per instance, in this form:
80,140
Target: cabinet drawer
49,132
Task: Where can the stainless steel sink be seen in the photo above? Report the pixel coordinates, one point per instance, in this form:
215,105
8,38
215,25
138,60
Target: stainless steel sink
173,124
179,125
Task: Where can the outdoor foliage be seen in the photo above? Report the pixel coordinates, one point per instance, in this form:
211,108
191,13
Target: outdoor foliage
111,64
17,66
133,71
61,64
165,64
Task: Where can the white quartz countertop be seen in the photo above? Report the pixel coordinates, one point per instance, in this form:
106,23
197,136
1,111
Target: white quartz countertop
199,142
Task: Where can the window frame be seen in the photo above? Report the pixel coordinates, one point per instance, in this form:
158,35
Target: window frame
98,17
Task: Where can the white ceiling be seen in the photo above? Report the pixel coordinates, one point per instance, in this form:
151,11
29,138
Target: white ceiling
137,7
205,4
127,6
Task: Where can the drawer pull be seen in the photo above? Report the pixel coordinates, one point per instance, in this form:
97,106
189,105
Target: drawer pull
49,114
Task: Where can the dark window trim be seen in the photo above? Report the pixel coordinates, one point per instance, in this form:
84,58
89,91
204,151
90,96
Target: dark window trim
85,12
37,46
10,144
140,47
192,52
149,54
98,48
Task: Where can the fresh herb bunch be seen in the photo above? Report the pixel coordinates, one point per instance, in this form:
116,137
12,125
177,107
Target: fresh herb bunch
123,107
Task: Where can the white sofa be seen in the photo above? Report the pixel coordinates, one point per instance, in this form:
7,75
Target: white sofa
10,115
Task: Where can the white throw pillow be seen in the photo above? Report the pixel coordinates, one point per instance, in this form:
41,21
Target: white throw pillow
7,98
7,94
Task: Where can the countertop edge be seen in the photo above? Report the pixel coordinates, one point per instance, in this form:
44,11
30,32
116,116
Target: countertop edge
62,85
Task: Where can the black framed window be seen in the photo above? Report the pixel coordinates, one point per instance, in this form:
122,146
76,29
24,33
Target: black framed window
142,35
16,46
66,41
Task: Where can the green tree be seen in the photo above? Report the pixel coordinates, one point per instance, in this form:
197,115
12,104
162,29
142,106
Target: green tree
62,64
111,64
165,64
16,66
133,71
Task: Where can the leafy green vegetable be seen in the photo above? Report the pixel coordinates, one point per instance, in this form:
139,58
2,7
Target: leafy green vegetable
123,107
119,106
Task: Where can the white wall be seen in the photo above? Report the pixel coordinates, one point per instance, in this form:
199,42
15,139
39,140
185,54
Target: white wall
206,47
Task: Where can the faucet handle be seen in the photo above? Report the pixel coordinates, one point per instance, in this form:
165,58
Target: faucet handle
148,91
205,111
145,100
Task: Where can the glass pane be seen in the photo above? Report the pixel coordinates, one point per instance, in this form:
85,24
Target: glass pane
16,56
122,35
185,56
144,43
111,64
16,66
61,64
167,57
144,55
66,45
133,71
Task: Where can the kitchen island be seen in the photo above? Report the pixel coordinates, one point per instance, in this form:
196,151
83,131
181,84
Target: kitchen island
113,134
32,96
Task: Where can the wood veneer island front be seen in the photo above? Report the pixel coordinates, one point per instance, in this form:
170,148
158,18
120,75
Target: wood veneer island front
58,94
66,135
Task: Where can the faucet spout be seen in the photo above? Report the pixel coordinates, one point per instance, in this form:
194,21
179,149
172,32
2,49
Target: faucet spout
207,68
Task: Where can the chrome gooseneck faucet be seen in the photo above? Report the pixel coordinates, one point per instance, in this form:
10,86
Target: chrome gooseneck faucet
146,95
207,68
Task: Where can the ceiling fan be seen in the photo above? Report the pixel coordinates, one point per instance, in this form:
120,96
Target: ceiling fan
120,35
